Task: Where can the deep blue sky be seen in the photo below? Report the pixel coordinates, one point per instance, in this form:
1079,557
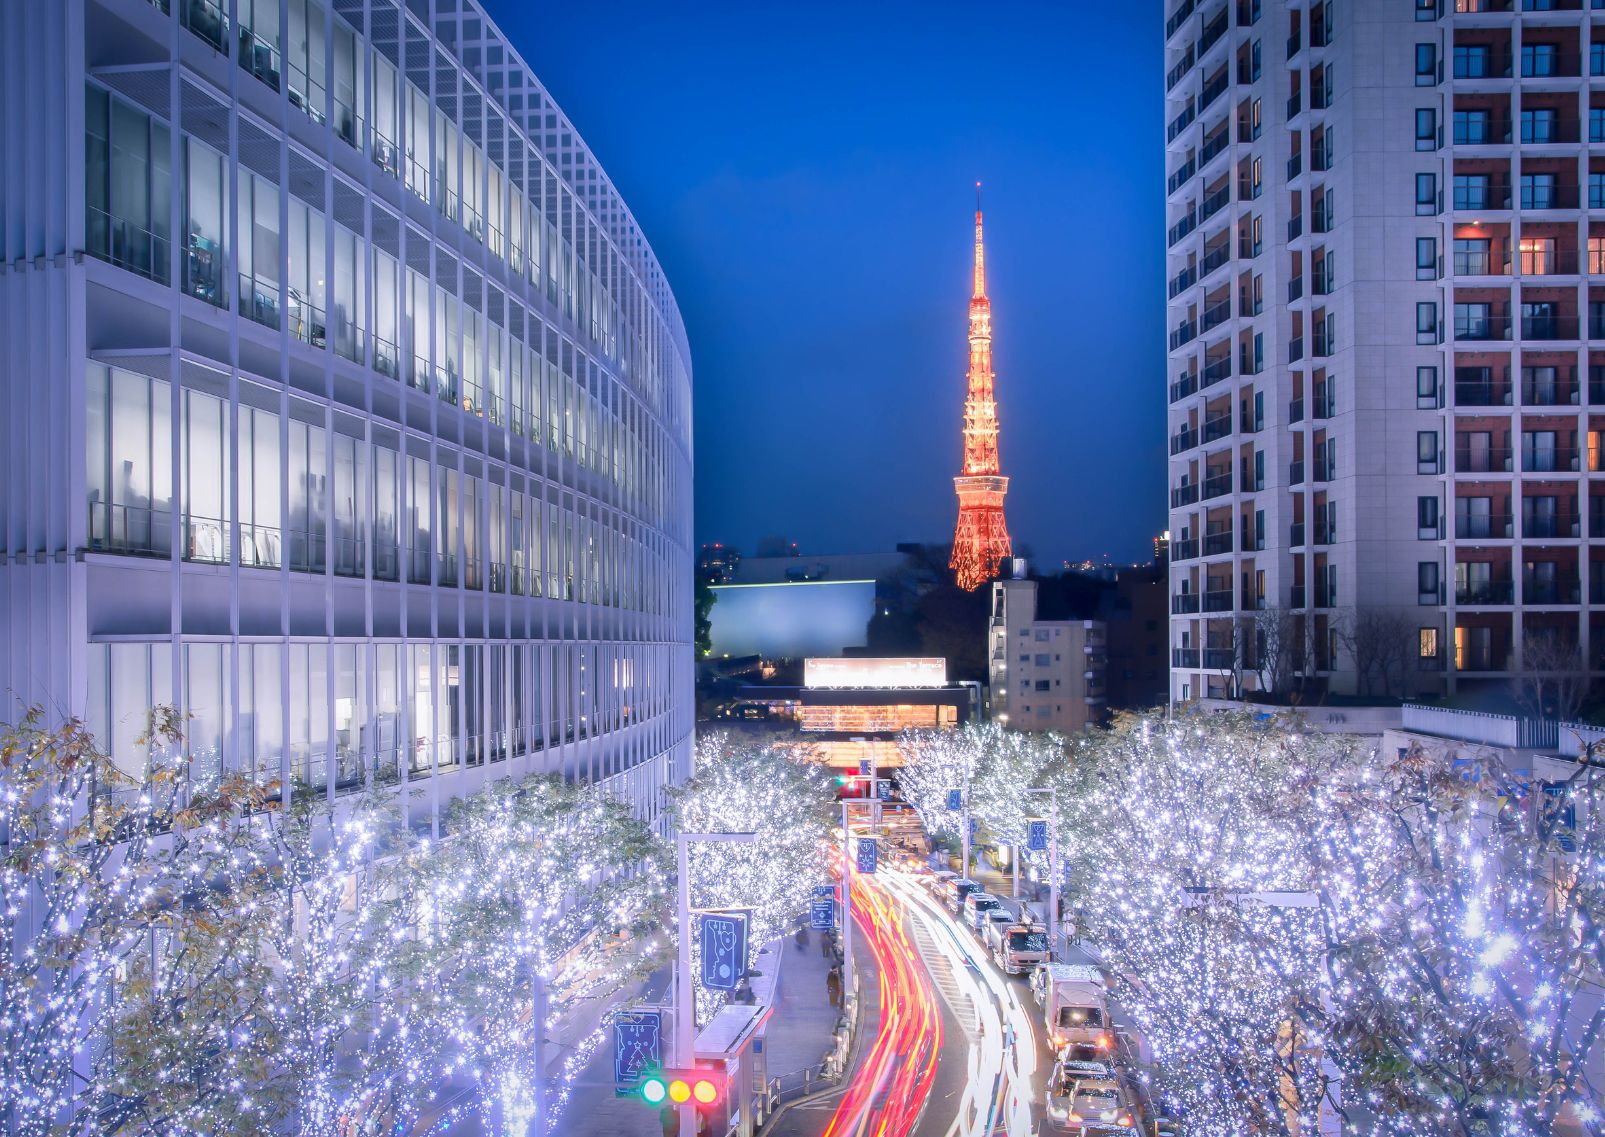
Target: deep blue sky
805,173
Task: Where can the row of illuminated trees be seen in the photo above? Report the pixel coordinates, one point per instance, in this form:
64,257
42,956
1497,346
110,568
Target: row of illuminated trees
179,964
1307,931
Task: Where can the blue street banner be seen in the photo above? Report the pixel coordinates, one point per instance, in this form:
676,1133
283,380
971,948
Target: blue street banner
1036,834
863,767
637,1044
868,855
822,914
723,937
955,800
884,789
824,892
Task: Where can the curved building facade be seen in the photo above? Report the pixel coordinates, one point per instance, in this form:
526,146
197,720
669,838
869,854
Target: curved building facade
345,405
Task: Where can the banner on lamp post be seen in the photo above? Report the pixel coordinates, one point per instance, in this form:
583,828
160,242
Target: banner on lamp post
1036,834
868,855
637,1045
864,767
883,789
955,800
723,936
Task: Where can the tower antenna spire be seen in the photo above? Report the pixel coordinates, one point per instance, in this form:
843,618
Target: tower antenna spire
980,539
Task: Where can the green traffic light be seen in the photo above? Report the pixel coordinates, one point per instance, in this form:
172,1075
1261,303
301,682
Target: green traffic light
653,1091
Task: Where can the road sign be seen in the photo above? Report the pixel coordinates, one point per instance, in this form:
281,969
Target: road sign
868,854
822,914
955,800
637,1044
974,828
863,767
884,789
724,949
1036,834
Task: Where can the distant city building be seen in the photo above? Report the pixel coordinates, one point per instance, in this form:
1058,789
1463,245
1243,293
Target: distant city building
1162,549
1044,674
1136,620
853,709
717,564
348,409
1387,377
980,539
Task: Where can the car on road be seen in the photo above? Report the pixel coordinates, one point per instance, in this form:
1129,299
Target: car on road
1086,1099
976,906
938,879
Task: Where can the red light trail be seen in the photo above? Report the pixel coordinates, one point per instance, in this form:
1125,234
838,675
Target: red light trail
890,1087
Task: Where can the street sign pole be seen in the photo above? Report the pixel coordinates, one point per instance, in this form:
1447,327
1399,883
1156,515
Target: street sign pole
685,1003
1053,867
847,906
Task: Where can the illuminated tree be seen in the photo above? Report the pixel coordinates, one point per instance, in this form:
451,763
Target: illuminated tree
770,790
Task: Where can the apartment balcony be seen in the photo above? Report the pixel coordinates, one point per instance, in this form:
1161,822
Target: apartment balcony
1536,198
1184,657
1248,363
1491,63
1295,411
1181,122
1550,390
1218,543
1215,372
1181,388
1550,590
1219,658
1481,262
1482,393
1483,527
1183,440
1548,459
1217,427
1212,33
1295,472
1296,596
1482,460
1218,600
1179,17
1213,259
1174,75
1184,603
1184,550
1216,315
1543,526
1295,535
1184,495
1186,225
1217,485
1183,280
1481,195
1183,334
1213,145
1481,328
1477,130
1295,349
1485,593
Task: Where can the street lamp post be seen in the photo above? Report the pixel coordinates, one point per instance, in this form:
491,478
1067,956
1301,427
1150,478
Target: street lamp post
685,1003
1053,865
847,903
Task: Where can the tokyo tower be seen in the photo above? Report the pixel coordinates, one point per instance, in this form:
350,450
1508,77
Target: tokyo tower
980,540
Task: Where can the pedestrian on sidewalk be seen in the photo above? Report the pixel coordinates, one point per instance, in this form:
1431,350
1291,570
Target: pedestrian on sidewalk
825,944
833,987
802,935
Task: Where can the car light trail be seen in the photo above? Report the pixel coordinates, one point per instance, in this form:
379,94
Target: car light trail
889,1089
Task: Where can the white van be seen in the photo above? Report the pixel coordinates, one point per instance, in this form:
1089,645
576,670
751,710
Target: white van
956,890
1075,1008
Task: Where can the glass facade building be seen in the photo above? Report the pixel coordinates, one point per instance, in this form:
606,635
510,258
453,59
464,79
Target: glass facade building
346,406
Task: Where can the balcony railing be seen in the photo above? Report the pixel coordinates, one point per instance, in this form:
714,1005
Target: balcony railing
1558,390
1295,535
1482,460
1216,371
1185,549
1184,657
1484,593
1548,459
1481,195
1550,590
1174,75
1178,17
1215,202
1183,440
1183,227
1549,327
1218,427
1482,393
1481,327
1179,178
1217,485
1183,280
1184,495
1183,603
1219,658
1183,387
1550,525
1214,258
1217,543
137,530
1483,527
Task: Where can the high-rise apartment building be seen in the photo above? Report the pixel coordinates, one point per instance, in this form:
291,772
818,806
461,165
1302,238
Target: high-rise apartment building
345,405
1386,264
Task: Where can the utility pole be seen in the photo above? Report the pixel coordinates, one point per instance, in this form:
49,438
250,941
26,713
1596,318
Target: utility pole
1053,864
685,1003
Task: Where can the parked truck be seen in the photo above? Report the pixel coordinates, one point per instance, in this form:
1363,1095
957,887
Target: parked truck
1018,947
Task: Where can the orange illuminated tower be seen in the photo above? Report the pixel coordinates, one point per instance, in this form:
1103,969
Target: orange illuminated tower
981,539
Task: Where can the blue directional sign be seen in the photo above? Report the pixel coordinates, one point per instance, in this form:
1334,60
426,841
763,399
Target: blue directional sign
822,914
724,949
824,892
884,789
955,800
637,1044
1036,834
864,767
975,827
868,855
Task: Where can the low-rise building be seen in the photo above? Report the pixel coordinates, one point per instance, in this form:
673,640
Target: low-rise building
1043,673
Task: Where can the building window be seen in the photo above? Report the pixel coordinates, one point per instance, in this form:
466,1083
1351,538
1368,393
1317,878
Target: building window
1426,64
1427,387
127,186
1426,258
1427,321
1426,195
1427,583
1427,452
1426,128
1427,644
1427,522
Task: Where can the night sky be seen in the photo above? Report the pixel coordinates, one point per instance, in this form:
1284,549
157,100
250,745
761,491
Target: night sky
806,175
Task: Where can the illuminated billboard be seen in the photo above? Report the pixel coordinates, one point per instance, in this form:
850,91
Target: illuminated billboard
875,674
791,620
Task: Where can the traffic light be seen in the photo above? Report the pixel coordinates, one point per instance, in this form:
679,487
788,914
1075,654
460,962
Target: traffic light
702,1086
